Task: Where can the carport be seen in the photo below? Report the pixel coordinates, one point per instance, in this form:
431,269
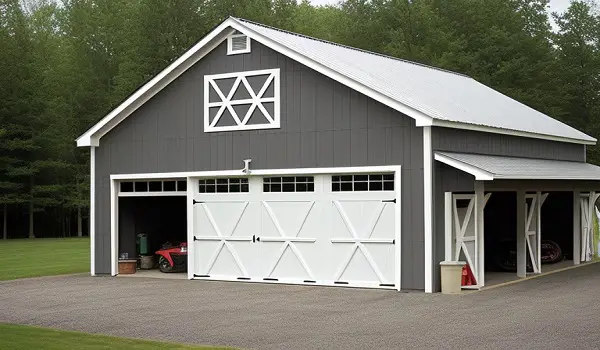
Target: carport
522,187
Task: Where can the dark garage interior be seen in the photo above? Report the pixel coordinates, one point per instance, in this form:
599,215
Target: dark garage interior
501,220
161,218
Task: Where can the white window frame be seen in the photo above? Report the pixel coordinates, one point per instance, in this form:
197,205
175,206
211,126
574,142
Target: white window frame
255,101
149,193
230,50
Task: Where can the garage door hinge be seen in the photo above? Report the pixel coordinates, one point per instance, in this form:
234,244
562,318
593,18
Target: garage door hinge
389,201
195,201
195,239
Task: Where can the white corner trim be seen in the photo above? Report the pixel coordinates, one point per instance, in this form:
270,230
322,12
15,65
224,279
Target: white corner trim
255,102
479,174
93,211
428,207
230,50
495,130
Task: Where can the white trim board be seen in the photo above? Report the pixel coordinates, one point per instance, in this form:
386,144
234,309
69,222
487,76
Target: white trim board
258,172
428,207
479,174
93,211
220,34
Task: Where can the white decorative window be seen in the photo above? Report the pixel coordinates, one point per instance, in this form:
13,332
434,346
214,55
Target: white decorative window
241,101
238,43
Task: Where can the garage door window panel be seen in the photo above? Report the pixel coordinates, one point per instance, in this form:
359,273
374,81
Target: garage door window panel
223,185
362,183
289,184
151,187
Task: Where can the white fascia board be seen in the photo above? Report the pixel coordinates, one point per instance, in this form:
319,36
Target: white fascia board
494,130
479,174
544,177
421,118
161,80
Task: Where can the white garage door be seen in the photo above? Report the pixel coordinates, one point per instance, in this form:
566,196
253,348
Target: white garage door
306,229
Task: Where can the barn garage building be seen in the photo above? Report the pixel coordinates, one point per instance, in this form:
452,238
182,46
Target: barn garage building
281,158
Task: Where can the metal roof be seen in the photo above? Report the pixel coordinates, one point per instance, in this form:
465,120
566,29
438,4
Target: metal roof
440,94
485,167
432,96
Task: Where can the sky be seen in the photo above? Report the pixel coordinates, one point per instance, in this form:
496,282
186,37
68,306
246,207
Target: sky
555,5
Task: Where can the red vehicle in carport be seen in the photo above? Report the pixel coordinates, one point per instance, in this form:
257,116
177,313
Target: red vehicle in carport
172,257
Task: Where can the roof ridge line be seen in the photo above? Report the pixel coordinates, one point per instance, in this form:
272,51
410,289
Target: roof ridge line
352,47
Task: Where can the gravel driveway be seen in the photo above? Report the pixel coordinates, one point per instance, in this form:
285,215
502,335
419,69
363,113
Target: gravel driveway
560,310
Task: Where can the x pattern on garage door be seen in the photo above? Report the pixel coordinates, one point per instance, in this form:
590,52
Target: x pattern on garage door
310,235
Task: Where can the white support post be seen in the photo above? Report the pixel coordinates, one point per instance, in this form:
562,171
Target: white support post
538,226
93,211
449,237
521,238
479,231
428,207
576,227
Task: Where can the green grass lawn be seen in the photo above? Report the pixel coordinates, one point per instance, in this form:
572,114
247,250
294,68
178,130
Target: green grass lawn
26,337
21,258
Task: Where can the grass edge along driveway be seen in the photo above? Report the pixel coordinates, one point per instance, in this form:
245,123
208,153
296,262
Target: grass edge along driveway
36,338
22,258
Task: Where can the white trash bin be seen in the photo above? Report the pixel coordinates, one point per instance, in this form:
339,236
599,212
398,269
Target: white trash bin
451,272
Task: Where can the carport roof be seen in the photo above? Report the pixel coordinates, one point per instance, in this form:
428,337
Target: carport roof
486,167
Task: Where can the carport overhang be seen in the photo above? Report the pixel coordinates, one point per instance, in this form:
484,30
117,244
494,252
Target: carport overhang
487,168
529,178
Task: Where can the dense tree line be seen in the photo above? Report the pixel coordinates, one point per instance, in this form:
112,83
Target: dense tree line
64,64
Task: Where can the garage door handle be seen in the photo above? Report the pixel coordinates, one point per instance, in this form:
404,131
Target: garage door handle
389,201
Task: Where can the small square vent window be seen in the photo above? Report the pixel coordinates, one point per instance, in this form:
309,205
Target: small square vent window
238,43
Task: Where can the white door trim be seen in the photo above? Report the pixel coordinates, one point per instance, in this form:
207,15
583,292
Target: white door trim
192,184
114,227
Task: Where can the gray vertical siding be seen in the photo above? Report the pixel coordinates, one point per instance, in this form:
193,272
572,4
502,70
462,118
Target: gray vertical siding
467,141
323,124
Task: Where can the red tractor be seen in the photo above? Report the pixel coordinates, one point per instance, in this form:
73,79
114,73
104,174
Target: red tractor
172,257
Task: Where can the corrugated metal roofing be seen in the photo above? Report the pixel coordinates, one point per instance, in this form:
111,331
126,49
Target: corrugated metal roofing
441,94
524,168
